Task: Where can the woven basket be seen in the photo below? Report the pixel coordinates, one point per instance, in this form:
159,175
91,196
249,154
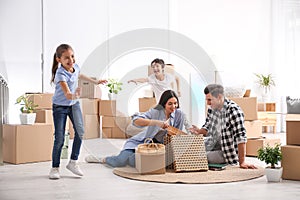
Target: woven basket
185,153
150,148
150,158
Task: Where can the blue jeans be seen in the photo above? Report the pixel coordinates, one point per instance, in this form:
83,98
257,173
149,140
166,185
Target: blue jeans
125,157
60,114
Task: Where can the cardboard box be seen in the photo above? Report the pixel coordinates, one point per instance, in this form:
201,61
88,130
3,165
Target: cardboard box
253,145
116,121
27,143
91,127
146,103
293,129
249,107
253,128
89,89
108,121
150,163
45,116
116,132
290,162
43,100
107,107
106,133
89,106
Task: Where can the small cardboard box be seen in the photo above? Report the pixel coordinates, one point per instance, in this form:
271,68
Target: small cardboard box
89,106
253,128
249,107
45,116
27,143
253,145
89,90
146,103
107,107
150,163
293,129
43,100
290,162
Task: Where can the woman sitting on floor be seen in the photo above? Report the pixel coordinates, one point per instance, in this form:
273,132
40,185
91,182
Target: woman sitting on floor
157,119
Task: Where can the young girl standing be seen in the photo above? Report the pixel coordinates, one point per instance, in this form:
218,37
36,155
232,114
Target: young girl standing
65,74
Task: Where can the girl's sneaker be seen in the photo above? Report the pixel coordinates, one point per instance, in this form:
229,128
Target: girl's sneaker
54,173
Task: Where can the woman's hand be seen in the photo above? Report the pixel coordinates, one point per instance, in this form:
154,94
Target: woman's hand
165,124
159,123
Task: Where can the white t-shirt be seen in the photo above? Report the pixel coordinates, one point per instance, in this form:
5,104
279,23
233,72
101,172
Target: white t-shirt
160,86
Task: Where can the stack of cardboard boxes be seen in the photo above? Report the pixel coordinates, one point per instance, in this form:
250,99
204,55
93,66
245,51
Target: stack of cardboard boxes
114,124
290,152
253,126
89,102
89,109
30,143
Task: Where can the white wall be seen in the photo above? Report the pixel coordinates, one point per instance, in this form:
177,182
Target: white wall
234,33
20,39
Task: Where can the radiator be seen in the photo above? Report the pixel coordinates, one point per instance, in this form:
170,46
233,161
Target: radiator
4,102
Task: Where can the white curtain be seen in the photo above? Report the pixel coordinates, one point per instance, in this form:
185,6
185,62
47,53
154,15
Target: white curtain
285,46
285,53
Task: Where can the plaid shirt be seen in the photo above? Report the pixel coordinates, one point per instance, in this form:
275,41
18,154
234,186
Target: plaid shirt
233,130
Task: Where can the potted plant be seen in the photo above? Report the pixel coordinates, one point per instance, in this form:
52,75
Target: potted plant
114,87
266,82
27,109
271,155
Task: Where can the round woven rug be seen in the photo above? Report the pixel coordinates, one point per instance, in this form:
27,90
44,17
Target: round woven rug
230,174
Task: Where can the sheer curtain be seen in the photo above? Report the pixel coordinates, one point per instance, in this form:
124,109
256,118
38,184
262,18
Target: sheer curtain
285,51
285,47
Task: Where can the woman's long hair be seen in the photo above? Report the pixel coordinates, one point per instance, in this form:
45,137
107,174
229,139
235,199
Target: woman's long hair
166,95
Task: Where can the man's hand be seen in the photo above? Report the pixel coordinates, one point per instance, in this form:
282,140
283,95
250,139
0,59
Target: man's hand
247,166
195,130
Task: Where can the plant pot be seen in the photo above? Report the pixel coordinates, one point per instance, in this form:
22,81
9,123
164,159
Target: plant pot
266,97
112,96
273,175
27,118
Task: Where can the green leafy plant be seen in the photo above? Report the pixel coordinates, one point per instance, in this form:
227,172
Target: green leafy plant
265,81
114,86
270,155
27,105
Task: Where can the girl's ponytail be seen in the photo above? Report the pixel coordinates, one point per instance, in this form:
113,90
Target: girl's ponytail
54,68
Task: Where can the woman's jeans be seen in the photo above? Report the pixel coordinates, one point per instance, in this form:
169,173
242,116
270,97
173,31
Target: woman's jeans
60,114
126,157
